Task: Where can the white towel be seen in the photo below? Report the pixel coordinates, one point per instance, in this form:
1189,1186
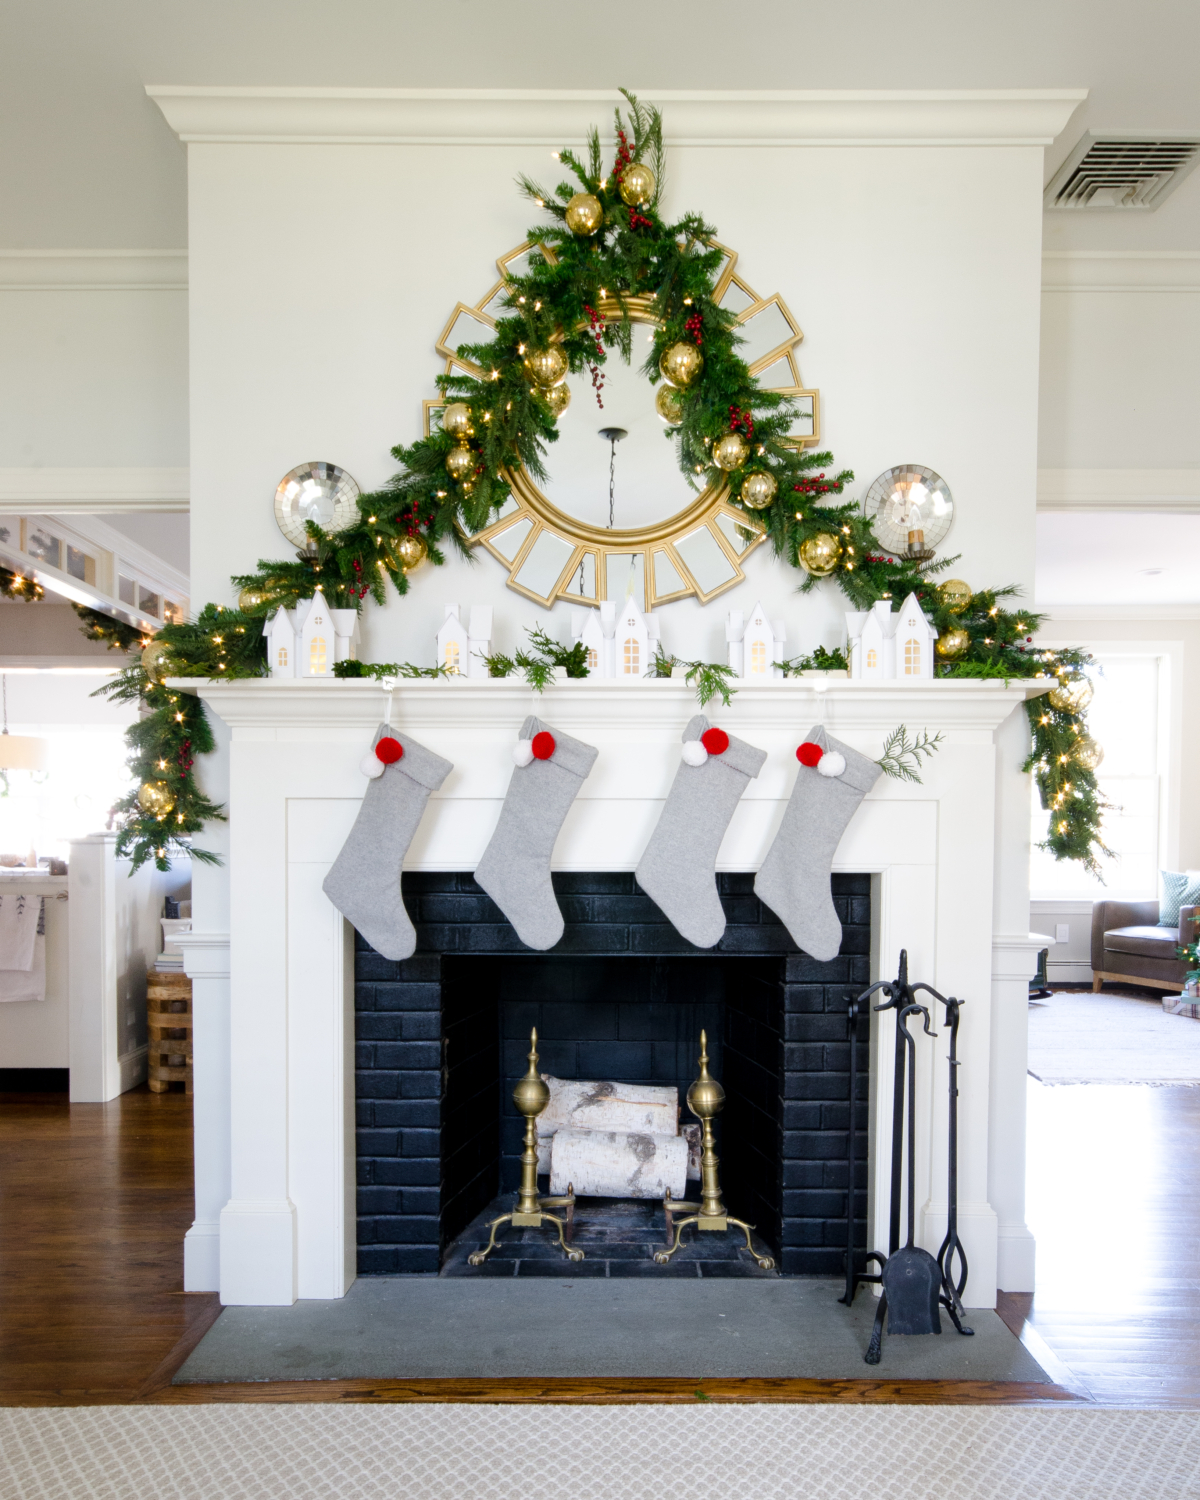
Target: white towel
20,918
26,984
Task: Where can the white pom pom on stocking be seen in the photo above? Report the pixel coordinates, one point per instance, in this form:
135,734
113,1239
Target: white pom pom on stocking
371,765
832,763
694,753
523,752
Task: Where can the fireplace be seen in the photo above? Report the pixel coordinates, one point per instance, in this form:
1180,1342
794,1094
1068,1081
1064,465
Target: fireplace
441,1039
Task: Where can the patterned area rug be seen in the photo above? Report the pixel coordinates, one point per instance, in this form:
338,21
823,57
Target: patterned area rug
547,1452
1078,1037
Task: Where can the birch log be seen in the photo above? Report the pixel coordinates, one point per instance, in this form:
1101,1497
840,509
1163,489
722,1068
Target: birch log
618,1163
652,1108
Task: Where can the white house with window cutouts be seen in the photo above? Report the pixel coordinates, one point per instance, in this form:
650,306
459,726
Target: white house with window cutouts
886,645
619,642
454,644
280,632
914,638
755,644
317,639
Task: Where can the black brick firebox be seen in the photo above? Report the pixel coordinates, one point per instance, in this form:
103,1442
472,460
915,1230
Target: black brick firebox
442,1036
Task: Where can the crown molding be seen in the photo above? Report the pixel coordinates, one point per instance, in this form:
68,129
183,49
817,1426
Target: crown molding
552,117
91,492
93,270
1121,271
1176,490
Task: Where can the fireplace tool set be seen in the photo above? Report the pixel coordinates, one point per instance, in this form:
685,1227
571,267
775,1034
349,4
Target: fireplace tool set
705,1098
914,1283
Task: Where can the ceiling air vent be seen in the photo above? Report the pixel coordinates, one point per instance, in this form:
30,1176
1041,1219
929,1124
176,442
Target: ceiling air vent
1122,171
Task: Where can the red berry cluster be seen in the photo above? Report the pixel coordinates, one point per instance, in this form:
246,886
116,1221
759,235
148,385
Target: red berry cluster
597,323
817,486
358,591
624,157
695,326
638,221
741,420
185,760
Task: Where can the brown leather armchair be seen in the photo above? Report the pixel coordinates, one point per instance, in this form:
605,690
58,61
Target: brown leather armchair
1128,946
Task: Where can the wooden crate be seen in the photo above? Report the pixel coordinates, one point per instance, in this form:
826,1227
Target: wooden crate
169,1023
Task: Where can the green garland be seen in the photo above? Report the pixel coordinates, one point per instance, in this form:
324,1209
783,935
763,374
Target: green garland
576,296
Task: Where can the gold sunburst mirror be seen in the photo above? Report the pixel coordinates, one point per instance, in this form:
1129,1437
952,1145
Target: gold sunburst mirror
616,517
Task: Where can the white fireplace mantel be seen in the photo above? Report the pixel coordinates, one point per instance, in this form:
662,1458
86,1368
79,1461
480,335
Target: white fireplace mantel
947,859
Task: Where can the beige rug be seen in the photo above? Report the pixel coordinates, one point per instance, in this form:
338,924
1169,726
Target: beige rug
1079,1037
612,1453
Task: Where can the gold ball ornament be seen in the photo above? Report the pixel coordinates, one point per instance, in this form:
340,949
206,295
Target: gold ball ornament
456,420
758,490
557,398
730,452
548,366
252,599
955,595
637,185
410,551
584,214
668,403
680,365
156,660
820,554
952,644
459,463
155,798
1071,695
1088,752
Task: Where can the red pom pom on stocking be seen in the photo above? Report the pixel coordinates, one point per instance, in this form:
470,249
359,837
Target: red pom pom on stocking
715,741
543,745
809,753
389,750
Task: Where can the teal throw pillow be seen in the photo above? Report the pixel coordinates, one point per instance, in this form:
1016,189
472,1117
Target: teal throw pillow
1178,889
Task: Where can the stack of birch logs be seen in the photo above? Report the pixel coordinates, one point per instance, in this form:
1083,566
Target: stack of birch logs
616,1140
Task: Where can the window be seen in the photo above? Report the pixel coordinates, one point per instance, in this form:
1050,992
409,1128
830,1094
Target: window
632,656
148,602
452,656
317,655
281,657
593,661
758,658
45,547
872,658
80,565
912,657
172,612
126,589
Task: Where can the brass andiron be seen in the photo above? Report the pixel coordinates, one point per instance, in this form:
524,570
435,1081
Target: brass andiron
706,1099
531,1097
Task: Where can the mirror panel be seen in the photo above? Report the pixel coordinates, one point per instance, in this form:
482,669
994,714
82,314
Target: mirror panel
582,582
510,541
737,297
667,579
706,560
739,536
543,565
769,329
777,376
625,575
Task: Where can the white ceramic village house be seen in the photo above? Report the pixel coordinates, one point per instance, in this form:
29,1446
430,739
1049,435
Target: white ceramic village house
461,648
308,640
886,645
618,644
755,644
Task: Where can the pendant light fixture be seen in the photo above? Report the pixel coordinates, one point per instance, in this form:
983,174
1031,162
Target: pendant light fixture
21,752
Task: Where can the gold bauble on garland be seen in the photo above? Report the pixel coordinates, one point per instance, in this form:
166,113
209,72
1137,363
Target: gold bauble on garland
952,643
1072,695
820,554
758,490
155,798
1088,752
584,214
637,185
955,595
459,463
730,452
547,366
456,420
681,364
252,599
557,398
410,551
156,660
668,403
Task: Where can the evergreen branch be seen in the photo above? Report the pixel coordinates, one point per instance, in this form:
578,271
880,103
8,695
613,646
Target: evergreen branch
710,679
902,757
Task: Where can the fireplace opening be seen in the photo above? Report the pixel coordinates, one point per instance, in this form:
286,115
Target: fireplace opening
443,1037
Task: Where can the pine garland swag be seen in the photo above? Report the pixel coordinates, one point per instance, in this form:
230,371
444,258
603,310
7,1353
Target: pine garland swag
575,295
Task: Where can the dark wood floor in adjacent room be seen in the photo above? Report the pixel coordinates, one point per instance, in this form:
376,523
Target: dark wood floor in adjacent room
95,1200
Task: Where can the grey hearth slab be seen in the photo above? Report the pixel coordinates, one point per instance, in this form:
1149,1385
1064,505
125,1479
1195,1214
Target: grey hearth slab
435,1327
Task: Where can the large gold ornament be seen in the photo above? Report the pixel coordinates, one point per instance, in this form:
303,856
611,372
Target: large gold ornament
681,364
668,403
410,551
252,599
1071,695
1088,752
584,214
758,490
952,643
155,798
459,463
637,185
557,398
456,420
156,660
730,452
955,595
547,366
820,554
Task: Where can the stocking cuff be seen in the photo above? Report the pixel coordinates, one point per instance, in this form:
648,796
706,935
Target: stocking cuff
417,763
747,759
861,772
572,754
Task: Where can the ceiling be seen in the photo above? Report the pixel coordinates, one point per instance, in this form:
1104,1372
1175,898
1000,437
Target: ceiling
87,161
1117,557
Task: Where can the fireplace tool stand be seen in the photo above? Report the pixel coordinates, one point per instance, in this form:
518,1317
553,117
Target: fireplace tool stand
853,1275
952,1286
705,1098
531,1097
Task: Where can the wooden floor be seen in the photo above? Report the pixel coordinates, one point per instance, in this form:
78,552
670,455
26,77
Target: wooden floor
95,1200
